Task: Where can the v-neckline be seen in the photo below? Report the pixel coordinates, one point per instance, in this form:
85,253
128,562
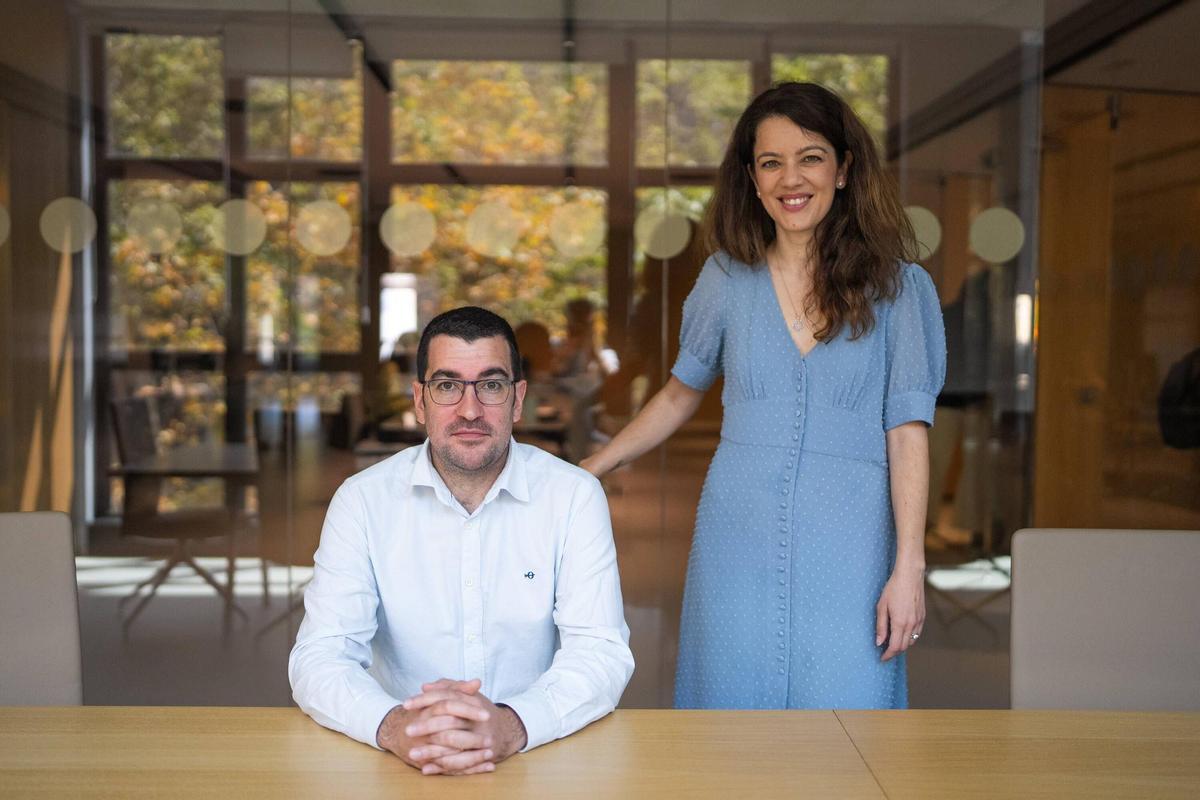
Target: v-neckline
781,315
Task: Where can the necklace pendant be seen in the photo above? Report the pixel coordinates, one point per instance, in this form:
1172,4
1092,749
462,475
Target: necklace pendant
797,325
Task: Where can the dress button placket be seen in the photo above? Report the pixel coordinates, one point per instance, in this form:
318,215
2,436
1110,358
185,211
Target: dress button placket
787,480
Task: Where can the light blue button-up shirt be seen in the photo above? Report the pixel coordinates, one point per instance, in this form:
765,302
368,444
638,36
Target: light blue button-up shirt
409,587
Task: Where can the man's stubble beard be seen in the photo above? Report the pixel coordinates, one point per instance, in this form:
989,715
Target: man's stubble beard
448,459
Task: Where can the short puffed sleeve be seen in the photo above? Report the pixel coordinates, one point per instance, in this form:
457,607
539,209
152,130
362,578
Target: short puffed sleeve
702,334
916,351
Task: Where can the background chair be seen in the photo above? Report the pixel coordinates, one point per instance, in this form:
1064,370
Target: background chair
39,611
1106,619
135,421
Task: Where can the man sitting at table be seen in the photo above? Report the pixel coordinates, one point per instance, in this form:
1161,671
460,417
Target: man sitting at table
472,575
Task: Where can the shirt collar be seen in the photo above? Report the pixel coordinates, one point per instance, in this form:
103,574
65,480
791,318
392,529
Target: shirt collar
512,479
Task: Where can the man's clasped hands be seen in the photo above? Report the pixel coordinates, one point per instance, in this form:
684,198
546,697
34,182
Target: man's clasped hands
451,729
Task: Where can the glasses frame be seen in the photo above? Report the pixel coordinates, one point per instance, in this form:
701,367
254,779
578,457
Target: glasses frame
509,382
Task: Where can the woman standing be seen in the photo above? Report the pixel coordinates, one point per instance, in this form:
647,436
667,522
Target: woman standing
805,581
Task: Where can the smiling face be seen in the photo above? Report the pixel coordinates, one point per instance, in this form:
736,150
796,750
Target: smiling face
796,174
468,438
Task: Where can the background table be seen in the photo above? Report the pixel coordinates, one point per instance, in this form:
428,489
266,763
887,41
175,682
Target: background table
278,752
236,463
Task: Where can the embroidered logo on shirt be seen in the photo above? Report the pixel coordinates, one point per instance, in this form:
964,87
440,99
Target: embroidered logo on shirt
529,575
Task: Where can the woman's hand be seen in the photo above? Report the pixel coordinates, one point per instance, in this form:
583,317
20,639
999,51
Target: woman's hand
672,406
900,612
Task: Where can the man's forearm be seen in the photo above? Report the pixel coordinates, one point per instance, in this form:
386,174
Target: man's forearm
337,691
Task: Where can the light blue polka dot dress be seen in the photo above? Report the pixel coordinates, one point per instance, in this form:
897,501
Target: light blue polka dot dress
795,537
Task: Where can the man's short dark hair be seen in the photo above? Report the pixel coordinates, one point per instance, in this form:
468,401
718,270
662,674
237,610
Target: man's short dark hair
468,323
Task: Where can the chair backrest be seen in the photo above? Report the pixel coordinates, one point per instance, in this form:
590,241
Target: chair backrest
1106,619
39,611
348,426
135,421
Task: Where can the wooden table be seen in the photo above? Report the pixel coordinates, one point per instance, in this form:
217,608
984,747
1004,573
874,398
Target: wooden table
745,755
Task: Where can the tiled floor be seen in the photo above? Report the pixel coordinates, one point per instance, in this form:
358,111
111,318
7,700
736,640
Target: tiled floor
183,651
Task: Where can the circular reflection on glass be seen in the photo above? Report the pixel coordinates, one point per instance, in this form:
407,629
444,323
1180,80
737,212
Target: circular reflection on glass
927,228
407,228
493,229
661,234
997,235
155,224
239,227
5,225
322,227
577,228
68,225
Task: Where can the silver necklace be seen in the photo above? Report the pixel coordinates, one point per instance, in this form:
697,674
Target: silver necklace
797,318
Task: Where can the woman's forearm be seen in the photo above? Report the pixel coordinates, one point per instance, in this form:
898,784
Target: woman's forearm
908,465
672,406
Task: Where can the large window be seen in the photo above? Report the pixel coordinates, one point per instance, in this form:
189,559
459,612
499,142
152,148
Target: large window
325,120
302,285
862,79
499,112
167,279
501,191
164,96
522,251
687,108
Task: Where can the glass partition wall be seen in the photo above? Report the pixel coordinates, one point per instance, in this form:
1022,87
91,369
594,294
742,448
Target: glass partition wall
223,225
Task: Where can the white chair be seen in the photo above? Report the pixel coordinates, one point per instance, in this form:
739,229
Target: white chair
39,612
1106,619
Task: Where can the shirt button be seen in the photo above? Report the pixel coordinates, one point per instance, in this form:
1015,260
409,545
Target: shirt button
781,569
783,505
783,555
781,620
782,582
471,637
779,633
783,517
779,658
781,644
783,542
791,451
782,607
782,596
470,583
781,670
786,490
796,424
795,437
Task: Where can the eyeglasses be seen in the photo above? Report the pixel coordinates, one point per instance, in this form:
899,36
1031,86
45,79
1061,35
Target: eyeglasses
488,391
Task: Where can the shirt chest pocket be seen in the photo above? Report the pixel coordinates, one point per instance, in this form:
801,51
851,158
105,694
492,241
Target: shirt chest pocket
523,600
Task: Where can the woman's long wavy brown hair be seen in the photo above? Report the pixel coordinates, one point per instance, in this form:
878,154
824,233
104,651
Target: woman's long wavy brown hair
864,238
